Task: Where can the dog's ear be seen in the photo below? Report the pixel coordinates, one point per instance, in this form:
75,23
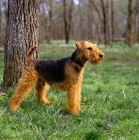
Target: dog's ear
80,45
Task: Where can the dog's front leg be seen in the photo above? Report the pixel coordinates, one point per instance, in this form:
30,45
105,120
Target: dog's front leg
73,98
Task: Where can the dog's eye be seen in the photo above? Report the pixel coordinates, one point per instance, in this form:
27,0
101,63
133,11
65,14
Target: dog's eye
89,49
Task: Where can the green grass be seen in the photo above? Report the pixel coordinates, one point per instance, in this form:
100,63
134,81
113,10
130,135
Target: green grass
110,102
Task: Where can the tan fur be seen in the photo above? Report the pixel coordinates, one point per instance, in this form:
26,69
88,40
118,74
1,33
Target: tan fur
72,84
25,86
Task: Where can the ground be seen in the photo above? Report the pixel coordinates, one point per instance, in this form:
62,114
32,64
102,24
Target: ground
110,101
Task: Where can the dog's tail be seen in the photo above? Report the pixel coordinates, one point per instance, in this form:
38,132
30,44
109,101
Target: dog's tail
30,53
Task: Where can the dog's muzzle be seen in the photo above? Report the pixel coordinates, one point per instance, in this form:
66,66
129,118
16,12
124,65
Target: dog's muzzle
101,55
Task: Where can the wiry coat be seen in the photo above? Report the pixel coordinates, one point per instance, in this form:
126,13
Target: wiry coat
64,74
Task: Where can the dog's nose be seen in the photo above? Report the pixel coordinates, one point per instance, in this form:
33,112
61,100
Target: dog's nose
101,55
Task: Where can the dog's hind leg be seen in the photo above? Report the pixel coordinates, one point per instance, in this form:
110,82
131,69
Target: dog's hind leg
41,89
26,84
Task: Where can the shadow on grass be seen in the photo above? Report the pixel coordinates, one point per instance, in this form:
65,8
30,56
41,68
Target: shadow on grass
94,135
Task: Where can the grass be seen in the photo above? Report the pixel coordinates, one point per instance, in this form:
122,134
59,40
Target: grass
110,102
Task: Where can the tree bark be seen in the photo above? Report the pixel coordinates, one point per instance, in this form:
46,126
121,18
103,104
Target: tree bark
90,21
138,30
112,20
129,31
50,20
80,19
97,24
67,23
0,23
108,15
22,33
104,20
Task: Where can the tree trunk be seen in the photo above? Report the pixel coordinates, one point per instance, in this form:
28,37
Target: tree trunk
22,33
67,23
90,21
129,31
104,20
138,30
80,19
108,15
97,24
50,21
0,23
112,20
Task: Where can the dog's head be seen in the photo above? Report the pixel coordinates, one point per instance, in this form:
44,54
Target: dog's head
91,52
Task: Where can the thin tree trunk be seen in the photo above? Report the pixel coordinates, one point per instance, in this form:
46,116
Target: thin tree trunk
136,26
129,32
138,30
104,21
22,33
97,10
112,21
98,25
81,19
90,23
0,22
67,23
108,11
50,18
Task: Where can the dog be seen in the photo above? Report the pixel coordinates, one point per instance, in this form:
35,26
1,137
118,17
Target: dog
64,74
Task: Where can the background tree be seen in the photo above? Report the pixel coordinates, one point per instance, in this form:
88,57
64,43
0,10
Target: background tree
97,21
80,20
0,22
103,4
136,25
112,20
88,19
130,21
22,33
67,17
50,5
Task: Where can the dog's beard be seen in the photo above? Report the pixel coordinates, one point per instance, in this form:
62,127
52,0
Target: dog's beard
96,63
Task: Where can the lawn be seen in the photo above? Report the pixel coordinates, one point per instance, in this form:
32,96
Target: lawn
110,101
